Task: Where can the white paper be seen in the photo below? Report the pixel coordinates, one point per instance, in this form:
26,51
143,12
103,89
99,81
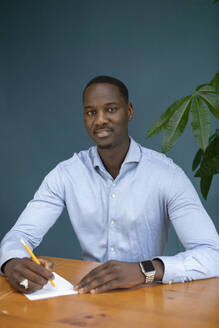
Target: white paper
63,287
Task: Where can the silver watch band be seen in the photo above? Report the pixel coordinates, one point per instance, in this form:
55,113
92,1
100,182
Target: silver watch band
149,275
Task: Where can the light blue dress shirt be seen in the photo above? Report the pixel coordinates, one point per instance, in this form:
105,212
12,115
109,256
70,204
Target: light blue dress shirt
126,219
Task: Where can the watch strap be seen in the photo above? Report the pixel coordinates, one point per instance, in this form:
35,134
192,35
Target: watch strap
147,268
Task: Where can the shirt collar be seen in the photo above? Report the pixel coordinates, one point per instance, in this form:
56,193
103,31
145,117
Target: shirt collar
133,155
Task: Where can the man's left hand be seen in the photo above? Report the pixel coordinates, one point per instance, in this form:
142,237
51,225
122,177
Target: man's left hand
111,275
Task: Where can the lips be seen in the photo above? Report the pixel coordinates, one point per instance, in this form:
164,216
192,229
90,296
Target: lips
102,133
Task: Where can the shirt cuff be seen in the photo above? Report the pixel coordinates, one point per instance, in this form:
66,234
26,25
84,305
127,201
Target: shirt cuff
174,270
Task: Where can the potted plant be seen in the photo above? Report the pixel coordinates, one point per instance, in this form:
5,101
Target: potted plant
173,121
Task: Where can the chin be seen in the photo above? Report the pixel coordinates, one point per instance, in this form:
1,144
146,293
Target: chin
106,146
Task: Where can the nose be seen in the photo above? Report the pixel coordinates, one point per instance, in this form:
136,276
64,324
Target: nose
101,118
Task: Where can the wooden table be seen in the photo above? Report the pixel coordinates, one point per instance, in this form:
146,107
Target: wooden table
194,304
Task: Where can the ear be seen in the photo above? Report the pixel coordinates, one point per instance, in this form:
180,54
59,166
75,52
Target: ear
130,111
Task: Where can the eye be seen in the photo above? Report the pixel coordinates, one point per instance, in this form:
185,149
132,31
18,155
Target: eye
91,113
111,109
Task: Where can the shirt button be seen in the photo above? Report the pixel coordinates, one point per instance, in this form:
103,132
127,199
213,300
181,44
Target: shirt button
112,249
113,196
113,184
112,222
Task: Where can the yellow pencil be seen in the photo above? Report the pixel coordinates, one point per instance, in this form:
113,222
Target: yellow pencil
34,258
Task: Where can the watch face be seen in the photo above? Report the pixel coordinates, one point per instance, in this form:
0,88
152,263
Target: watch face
148,266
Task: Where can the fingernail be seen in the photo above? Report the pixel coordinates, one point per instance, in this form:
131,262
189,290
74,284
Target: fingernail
92,291
81,291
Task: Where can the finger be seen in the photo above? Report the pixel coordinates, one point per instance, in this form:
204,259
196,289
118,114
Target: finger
31,277
109,285
19,276
38,269
89,278
102,269
95,282
27,270
48,265
34,277
16,285
32,287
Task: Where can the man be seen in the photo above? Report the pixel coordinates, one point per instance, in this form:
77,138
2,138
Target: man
120,198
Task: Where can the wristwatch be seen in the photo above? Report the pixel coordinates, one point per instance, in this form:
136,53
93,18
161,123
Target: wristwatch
148,270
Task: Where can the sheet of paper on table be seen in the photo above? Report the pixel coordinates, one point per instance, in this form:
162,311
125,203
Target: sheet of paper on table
63,287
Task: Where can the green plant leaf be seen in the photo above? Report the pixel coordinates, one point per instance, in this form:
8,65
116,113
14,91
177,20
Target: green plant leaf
205,184
215,81
174,120
199,155
161,122
200,121
210,160
209,164
197,159
208,167
212,102
176,124
206,88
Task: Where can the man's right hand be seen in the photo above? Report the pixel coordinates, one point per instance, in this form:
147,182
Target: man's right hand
16,270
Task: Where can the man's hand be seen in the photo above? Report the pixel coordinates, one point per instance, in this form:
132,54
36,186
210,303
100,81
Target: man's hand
111,275
16,270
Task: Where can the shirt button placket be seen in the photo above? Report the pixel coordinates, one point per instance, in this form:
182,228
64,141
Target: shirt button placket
112,221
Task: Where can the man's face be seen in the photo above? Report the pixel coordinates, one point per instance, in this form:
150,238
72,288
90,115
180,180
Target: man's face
106,115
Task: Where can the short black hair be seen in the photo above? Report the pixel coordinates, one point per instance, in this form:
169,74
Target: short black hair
111,80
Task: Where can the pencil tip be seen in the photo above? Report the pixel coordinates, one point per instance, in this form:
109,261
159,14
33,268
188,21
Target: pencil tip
22,242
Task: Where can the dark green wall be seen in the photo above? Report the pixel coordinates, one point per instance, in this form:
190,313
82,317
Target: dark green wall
49,49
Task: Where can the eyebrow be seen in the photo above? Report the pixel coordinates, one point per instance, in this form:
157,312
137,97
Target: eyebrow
106,104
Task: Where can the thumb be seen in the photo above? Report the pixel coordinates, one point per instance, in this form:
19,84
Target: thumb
47,264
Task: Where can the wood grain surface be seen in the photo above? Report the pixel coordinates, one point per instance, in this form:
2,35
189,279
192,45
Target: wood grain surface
193,304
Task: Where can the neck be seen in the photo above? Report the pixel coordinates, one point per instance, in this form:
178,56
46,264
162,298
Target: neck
113,158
